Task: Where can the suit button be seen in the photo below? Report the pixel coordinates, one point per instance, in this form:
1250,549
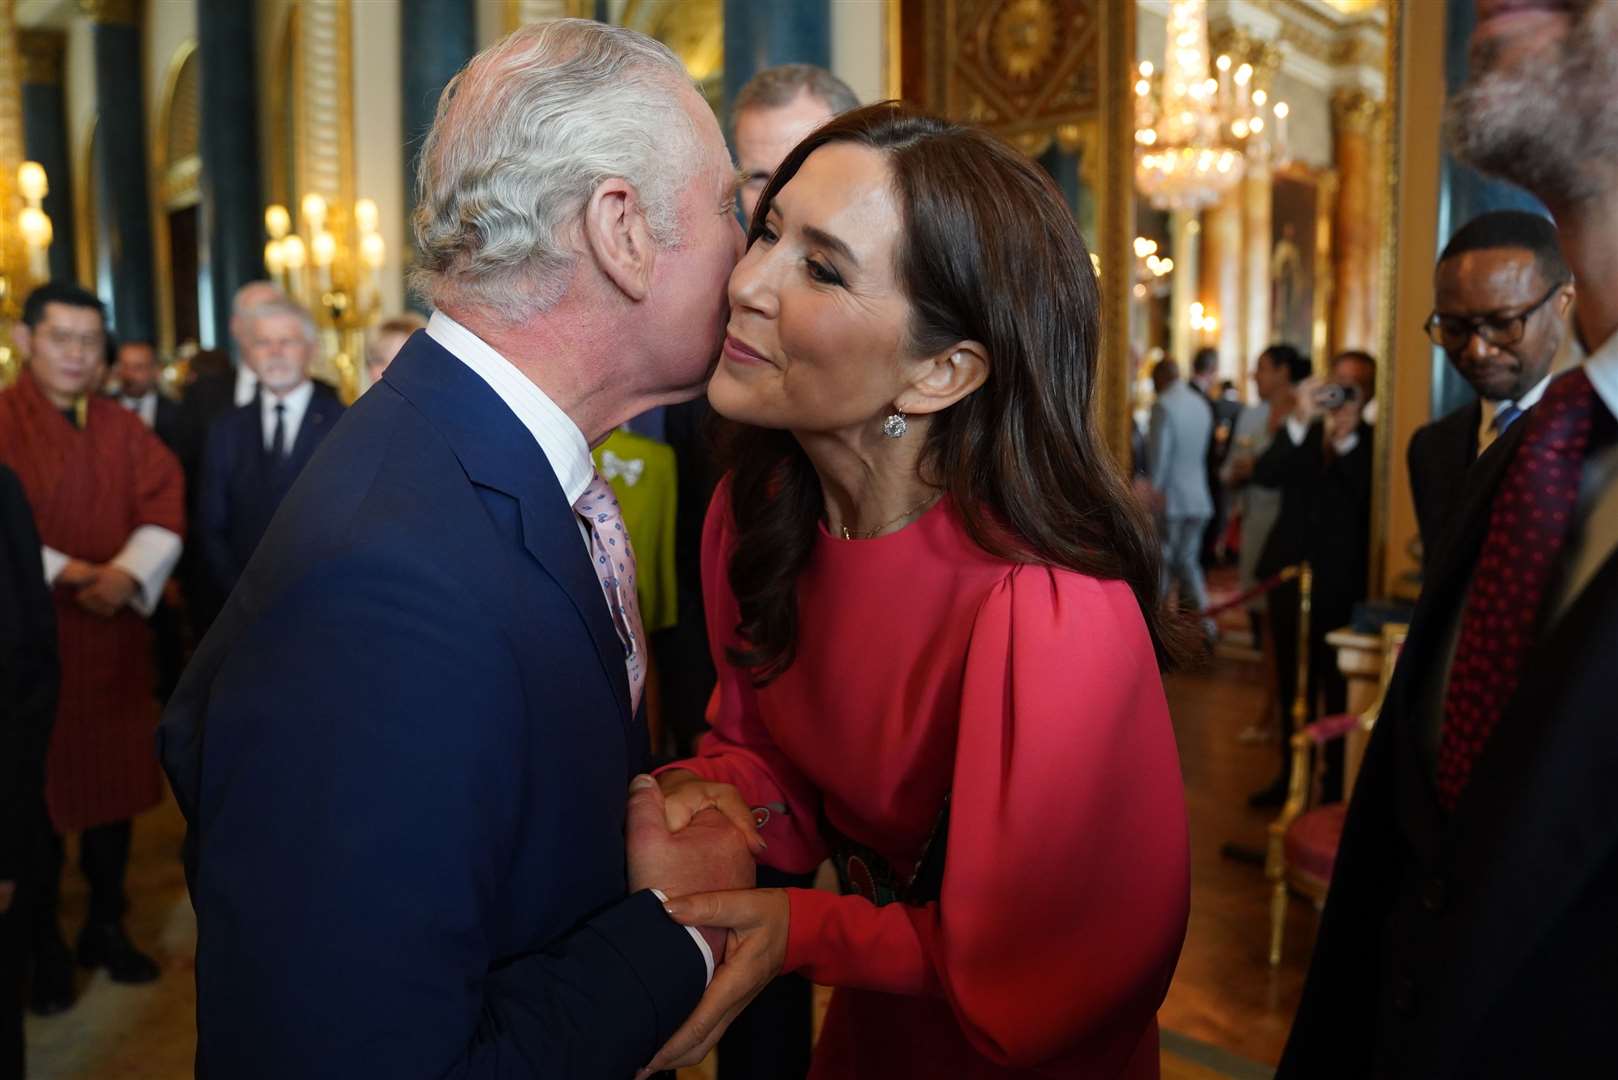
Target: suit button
1434,894
1404,996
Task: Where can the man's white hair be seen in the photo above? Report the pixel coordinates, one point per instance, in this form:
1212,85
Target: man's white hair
280,306
523,135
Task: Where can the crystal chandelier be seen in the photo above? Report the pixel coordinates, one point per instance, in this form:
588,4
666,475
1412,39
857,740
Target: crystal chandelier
1194,129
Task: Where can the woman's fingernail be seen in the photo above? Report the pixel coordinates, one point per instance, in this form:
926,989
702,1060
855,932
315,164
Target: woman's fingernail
642,782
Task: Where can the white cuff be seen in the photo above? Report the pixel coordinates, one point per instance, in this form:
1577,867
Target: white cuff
1297,430
55,562
1345,446
696,936
149,556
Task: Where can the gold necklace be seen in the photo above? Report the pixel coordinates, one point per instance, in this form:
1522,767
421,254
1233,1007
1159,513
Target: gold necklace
849,534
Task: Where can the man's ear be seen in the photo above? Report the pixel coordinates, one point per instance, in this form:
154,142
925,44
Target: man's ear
22,338
1564,299
618,238
945,378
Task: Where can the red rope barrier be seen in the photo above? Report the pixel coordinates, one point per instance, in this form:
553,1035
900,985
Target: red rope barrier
1287,574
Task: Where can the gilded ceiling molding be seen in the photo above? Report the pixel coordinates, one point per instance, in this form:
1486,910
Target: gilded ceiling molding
124,12
42,54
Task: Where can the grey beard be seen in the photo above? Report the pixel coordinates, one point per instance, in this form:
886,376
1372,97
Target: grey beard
1549,123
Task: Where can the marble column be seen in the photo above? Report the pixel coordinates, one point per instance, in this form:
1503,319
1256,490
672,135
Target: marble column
1357,221
436,38
232,201
121,132
758,36
44,116
1256,247
1220,276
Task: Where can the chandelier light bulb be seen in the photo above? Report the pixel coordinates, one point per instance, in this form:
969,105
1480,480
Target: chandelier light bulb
365,216
1257,125
273,261
1142,87
1244,74
31,181
323,248
1223,63
373,251
293,253
314,211
1260,97
277,221
35,227
1146,69
1281,110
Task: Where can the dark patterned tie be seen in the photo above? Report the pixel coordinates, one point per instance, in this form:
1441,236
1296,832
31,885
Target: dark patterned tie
1529,525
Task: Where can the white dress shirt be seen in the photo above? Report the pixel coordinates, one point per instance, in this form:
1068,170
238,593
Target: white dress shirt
144,407
297,404
559,438
246,385
1491,409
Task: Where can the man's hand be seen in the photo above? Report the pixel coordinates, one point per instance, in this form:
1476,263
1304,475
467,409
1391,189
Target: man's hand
1304,407
758,920
8,890
1344,420
708,854
108,592
685,795
76,574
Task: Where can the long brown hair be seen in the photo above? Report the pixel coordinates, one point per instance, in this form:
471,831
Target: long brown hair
989,253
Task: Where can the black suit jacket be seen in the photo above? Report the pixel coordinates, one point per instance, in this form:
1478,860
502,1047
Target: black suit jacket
1325,516
242,484
1480,945
29,672
1439,457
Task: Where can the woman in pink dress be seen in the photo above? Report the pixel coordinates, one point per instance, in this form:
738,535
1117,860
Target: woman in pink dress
934,606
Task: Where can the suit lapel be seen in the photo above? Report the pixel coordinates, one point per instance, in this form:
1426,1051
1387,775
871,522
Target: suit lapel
498,452
317,420
1536,820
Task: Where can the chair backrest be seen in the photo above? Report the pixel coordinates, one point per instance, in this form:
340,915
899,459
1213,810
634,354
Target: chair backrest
1393,643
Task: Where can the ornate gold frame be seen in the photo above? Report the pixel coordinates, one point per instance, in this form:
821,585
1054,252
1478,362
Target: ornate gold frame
1115,219
1387,301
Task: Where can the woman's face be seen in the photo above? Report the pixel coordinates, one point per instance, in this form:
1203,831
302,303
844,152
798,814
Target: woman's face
818,339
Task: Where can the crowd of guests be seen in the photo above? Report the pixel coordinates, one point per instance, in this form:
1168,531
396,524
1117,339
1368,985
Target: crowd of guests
146,506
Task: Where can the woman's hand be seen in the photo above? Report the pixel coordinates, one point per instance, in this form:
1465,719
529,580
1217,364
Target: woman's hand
758,920
685,795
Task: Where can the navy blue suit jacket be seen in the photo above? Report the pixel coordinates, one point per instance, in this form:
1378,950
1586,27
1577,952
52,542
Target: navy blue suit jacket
403,752
243,485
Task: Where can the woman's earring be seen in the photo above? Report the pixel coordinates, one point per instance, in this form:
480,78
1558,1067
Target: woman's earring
895,426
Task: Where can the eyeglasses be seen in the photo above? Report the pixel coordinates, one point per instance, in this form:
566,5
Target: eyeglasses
1452,332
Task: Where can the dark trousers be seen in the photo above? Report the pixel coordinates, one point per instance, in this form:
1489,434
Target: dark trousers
770,1039
104,858
13,975
1327,684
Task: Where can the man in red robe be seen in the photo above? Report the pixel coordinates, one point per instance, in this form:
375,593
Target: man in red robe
109,501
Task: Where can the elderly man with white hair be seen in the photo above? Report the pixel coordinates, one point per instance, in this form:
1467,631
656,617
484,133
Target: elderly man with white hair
403,749
255,452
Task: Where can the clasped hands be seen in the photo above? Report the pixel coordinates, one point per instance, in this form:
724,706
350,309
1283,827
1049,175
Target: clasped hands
103,590
696,842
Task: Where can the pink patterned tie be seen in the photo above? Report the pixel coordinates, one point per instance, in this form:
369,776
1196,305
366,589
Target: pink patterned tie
1529,525
614,562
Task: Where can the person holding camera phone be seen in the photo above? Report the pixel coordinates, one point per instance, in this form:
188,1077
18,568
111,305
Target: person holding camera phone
1320,462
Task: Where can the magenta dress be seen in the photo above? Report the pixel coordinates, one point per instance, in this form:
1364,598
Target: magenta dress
1031,698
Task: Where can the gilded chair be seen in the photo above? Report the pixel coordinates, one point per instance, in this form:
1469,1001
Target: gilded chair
1303,840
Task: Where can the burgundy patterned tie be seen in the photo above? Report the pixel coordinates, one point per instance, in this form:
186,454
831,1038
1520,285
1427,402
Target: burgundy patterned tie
614,562
1528,527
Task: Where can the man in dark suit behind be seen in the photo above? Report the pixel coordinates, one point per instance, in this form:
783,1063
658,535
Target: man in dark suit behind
29,673
1501,298
403,750
136,374
256,452
1320,461
1469,928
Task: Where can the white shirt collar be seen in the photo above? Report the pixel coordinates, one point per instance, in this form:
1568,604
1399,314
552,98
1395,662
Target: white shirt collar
1491,409
1602,368
558,436
296,402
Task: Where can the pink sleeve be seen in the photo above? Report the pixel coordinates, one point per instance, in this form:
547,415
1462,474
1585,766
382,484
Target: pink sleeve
738,749
1066,881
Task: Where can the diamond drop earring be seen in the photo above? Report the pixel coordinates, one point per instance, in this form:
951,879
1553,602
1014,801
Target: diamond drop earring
895,426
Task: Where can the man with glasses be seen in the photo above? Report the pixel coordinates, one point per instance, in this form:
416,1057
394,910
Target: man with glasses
1501,298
